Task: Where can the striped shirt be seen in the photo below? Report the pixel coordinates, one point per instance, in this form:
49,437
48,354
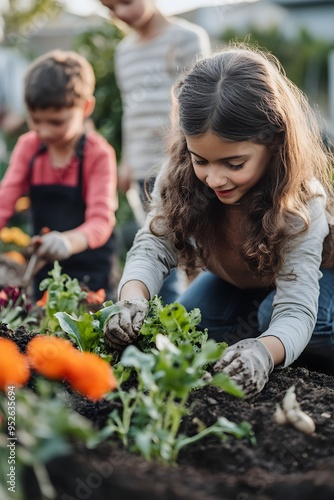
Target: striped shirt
145,73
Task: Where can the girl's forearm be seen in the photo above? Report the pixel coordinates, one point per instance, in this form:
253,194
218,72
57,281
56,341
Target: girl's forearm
133,290
275,347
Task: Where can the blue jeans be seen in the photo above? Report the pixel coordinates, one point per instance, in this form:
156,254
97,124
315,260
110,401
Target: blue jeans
322,340
231,314
170,289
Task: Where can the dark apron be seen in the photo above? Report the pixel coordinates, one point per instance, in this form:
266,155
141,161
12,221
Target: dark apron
62,208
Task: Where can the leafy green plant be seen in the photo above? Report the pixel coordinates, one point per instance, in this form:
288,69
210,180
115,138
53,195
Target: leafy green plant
15,308
45,428
173,321
173,361
86,332
152,412
63,294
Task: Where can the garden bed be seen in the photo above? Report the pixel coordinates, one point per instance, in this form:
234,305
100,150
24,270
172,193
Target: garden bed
284,464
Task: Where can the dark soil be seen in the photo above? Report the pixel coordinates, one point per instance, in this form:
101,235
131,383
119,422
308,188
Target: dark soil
284,464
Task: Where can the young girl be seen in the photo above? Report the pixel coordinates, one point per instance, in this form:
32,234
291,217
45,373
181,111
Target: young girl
244,197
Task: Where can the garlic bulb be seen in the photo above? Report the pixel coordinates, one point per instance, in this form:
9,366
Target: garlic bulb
291,413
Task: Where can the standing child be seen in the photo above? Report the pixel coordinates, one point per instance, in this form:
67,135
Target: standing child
147,63
244,197
70,174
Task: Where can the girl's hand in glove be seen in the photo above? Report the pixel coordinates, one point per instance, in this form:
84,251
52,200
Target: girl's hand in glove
248,363
53,246
123,328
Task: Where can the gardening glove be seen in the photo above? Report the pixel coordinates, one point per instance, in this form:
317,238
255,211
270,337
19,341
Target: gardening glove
54,246
248,363
123,328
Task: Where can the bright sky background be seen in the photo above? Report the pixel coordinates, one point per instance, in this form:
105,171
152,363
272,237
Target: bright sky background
168,7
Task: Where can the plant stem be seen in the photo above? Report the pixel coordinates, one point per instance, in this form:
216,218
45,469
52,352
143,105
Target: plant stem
128,410
192,439
44,482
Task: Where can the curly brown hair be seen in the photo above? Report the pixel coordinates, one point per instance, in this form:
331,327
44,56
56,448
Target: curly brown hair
242,94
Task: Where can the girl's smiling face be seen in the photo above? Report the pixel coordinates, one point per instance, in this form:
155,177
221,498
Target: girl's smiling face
229,168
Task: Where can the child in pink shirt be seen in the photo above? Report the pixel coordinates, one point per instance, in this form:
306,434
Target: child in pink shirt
70,175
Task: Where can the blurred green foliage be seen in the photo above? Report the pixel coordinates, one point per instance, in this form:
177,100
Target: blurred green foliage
304,58
98,46
23,18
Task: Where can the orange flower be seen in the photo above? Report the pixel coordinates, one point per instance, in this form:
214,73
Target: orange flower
50,356
43,300
56,358
22,204
15,256
91,375
96,297
14,368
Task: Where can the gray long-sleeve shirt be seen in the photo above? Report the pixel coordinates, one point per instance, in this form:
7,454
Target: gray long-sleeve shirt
296,301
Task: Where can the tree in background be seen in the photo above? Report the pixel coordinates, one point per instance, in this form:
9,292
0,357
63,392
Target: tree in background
21,19
304,58
98,46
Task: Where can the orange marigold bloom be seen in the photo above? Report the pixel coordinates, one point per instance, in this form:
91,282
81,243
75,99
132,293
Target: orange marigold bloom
50,356
96,297
43,300
14,368
22,204
15,256
91,375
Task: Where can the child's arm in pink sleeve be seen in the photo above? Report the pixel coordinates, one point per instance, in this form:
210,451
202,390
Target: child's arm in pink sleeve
100,187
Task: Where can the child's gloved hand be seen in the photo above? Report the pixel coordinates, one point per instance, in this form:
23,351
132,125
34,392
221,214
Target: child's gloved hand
123,328
248,363
53,246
